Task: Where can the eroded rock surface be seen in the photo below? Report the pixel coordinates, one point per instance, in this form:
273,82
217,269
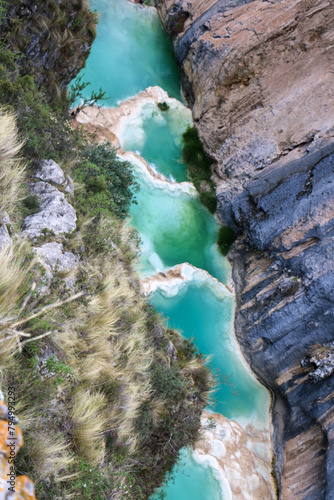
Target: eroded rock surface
259,78
5,238
57,259
54,214
50,171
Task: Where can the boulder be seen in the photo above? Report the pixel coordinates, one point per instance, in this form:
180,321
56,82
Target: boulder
50,171
58,260
55,213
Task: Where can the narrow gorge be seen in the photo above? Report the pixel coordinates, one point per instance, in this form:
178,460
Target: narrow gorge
181,267
166,249
259,80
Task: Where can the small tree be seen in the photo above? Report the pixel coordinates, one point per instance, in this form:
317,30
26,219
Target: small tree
76,92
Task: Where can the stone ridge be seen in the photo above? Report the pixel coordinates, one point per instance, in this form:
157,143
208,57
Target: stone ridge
259,78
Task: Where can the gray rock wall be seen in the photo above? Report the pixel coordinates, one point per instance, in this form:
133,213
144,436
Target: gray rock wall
257,76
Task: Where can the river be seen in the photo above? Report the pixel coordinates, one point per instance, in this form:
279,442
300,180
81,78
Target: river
132,52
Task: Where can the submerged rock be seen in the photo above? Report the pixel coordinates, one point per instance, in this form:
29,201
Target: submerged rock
239,456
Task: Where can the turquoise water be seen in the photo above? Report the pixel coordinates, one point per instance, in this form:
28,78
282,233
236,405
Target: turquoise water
192,481
202,314
160,144
175,228
131,52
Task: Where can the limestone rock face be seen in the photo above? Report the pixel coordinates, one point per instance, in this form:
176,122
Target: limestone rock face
50,171
259,78
55,213
54,50
57,259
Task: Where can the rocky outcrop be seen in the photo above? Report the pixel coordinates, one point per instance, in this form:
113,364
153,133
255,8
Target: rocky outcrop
5,238
50,171
259,78
55,214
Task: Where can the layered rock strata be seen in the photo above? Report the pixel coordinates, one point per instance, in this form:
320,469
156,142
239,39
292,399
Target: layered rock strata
259,78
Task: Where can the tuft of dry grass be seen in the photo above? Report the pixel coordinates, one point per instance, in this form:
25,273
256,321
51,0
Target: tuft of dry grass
89,422
11,167
50,454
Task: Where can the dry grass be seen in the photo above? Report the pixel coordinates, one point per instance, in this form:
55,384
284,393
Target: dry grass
89,423
11,167
98,336
50,454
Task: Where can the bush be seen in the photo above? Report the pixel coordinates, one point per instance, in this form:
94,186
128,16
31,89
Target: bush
199,170
109,183
226,236
31,204
194,156
163,106
209,200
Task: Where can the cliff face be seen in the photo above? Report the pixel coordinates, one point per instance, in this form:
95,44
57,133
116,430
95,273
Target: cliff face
259,78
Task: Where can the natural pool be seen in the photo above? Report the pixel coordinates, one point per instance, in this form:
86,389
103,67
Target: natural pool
175,228
132,52
206,314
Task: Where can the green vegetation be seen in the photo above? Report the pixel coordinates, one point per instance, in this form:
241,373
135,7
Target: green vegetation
108,182
52,41
75,93
198,164
103,408
94,381
226,236
163,106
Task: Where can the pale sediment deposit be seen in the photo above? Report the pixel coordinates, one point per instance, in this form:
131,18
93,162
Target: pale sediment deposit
253,458
170,281
239,456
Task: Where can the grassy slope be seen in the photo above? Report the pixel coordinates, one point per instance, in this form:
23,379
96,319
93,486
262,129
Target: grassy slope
103,408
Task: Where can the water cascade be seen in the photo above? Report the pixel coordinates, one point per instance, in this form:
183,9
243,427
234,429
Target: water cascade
182,271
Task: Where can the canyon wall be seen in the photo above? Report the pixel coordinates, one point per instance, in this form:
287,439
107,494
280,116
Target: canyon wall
259,77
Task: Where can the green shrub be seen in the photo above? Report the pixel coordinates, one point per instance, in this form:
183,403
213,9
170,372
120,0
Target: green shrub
163,106
109,183
194,156
31,204
226,236
199,170
209,200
